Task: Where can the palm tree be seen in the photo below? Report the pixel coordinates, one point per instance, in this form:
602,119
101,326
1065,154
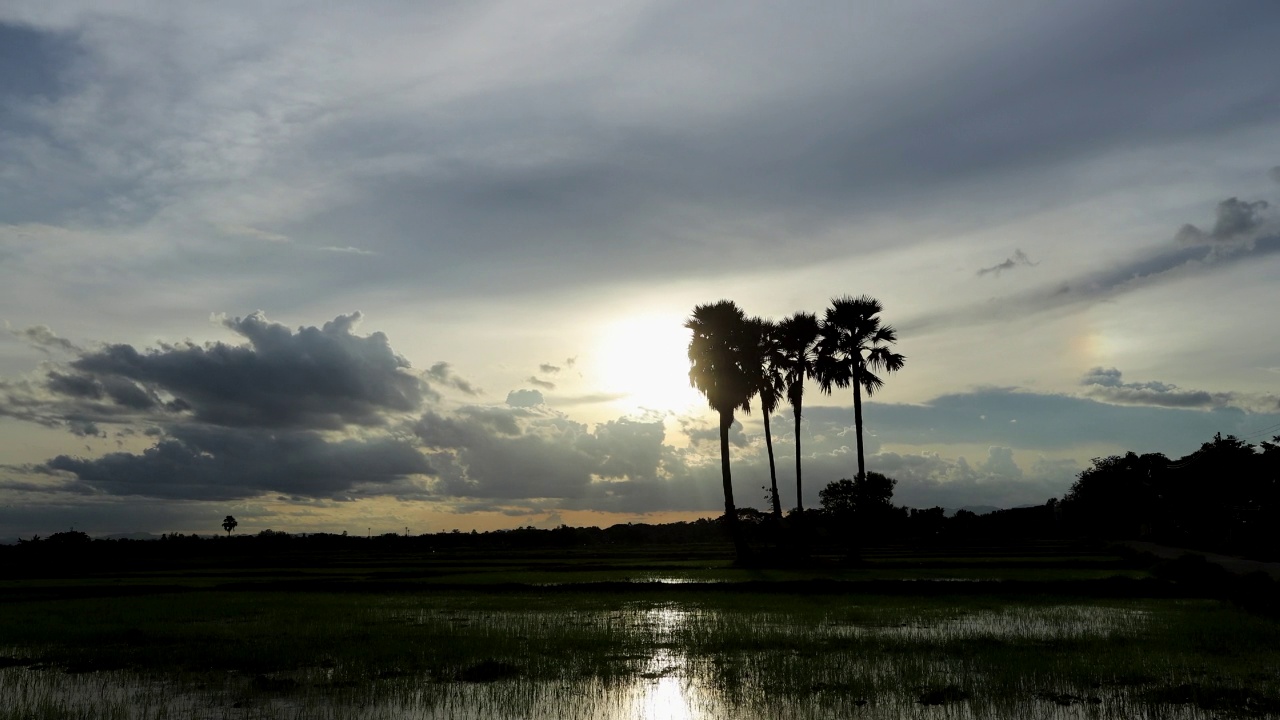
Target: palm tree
797,338
853,348
769,386
721,353
229,524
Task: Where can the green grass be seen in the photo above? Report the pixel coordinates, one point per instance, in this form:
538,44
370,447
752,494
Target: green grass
769,651
473,635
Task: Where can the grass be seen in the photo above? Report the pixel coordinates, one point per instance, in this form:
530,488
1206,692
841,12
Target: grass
769,648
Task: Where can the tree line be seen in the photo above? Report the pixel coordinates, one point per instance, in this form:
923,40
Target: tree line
735,359
1225,496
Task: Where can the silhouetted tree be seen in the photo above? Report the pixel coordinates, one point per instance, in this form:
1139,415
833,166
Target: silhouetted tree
721,357
853,348
862,508
769,386
863,495
229,524
797,338
1119,496
73,538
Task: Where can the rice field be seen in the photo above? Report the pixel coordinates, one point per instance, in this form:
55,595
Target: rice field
582,653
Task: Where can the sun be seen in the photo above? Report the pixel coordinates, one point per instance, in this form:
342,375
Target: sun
644,359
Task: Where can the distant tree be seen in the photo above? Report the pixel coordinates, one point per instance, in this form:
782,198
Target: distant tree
797,338
860,497
853,348
1121,496
69,537
721,354
229,524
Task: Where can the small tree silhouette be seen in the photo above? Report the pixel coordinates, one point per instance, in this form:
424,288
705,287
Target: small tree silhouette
229,524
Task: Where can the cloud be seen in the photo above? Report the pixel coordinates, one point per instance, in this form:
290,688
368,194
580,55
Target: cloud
1235,219
524,398
549,369
199,462
255,233
928,479
45,340
509,453
698,432
1106,384
1274,173
536,459
348,250
119,121
544,384
1242,232
443,374
323,377
585,399
236,421
1018,259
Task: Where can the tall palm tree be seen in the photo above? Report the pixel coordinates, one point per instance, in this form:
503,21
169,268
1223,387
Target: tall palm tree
769,386
853,348
721,356
797,338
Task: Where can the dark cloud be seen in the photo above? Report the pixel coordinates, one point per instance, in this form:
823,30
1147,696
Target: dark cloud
478,455
544,384
1106,384
535,456
84,428
44,339
1235,219
70,400
549,369
443,374
524,398
1018,259
313,378
216,463
122,392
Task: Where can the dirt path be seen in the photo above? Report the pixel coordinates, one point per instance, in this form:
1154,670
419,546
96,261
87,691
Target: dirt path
1234,564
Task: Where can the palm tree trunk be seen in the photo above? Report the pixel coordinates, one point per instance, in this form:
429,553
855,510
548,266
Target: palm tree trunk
857,423
799,497
730,510
773,473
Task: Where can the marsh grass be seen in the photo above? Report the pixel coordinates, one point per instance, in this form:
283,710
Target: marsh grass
587,654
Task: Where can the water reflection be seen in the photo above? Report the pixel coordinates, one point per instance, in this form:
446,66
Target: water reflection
670,660
665,692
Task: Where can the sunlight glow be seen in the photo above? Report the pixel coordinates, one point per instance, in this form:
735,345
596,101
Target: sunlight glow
644,358
665,698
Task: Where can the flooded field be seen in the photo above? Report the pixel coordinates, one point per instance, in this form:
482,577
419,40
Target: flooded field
592,656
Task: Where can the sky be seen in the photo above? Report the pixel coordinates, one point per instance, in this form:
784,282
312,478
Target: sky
415,267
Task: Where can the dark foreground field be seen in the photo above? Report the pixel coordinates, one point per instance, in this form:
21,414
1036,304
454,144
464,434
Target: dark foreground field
1038,631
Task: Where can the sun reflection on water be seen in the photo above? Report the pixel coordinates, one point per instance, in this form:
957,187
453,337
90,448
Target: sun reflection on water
664,698
665,690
